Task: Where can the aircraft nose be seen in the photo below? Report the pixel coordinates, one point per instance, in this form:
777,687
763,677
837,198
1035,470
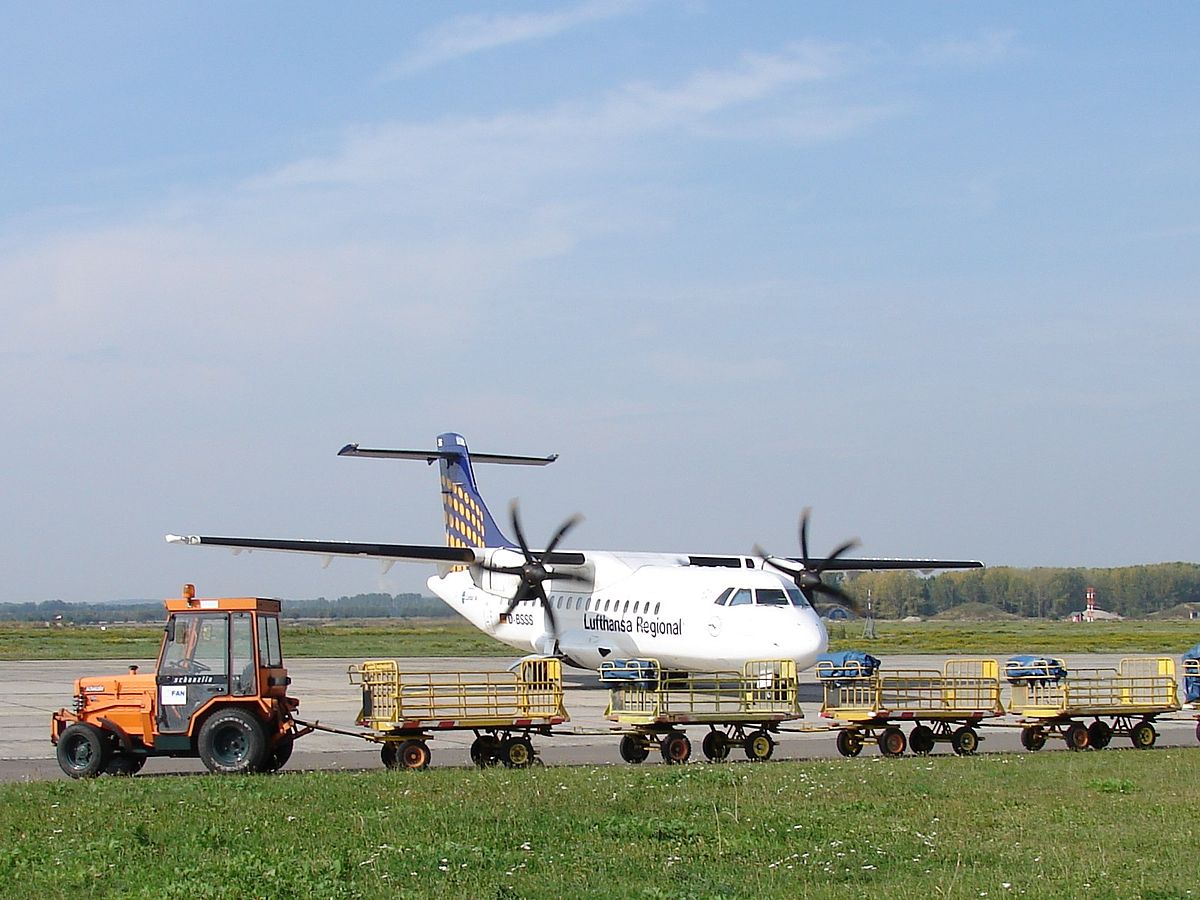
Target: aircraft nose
808,641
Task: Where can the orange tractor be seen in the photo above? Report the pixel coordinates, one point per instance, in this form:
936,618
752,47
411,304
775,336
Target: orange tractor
219,691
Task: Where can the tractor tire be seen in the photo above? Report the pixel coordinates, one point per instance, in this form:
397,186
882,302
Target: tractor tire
276,757
125,764
232,742
83,751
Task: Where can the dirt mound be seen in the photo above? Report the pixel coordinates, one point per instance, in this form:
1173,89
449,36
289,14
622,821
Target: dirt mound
973,612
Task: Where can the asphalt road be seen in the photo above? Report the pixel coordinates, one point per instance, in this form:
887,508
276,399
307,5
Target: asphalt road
34,689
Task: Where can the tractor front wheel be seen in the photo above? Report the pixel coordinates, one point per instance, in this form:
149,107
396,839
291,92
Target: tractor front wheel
83,752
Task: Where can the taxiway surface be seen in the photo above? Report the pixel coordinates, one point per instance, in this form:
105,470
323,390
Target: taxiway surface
35,689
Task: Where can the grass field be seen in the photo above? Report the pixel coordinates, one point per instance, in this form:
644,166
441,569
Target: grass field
1110,824
454,637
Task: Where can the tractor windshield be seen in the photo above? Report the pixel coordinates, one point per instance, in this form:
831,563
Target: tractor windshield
196,644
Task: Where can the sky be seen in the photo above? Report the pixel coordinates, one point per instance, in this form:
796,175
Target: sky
931,270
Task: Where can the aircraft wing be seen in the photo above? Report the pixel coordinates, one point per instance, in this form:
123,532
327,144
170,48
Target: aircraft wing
412,552
871,565
432,553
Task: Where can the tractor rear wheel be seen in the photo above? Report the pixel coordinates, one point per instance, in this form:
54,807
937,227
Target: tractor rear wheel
83,752
232,742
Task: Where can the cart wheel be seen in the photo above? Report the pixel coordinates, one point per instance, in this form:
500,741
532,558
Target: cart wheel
517,753
1099,734
1076,736
921,741
485,751
413,754
1033,738
715,746
634,748
390,754
1143,735
849,742
891,741
759,746
965,741
676,748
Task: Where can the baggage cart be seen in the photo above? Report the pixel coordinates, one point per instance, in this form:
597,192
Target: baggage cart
741,709
1191,682
1120,702
944,706
404,710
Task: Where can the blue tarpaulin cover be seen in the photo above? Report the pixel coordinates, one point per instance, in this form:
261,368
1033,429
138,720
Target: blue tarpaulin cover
643,672
846,664
1191,683
1028,667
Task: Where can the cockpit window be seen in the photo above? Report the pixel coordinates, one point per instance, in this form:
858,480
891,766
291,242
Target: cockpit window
720,601
741,597
771,597
797,598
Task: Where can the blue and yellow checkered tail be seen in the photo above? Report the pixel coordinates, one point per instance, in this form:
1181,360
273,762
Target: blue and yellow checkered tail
469,523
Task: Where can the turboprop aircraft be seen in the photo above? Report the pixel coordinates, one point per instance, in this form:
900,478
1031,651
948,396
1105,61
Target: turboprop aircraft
691,612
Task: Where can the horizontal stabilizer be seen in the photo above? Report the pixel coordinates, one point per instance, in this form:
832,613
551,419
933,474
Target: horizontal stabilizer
432,456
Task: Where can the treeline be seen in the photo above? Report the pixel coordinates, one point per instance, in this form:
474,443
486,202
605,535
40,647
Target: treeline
1035,593
360,606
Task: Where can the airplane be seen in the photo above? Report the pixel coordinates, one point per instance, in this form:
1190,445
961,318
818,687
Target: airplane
691,612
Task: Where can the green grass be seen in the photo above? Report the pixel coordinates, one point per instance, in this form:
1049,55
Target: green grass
1110,824
415,637
455,637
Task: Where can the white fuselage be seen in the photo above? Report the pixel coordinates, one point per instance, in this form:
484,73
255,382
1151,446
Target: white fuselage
643,605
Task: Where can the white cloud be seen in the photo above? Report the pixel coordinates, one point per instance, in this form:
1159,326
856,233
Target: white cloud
466,35
985,48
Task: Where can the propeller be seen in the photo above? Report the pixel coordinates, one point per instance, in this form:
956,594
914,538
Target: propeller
807,575
534,571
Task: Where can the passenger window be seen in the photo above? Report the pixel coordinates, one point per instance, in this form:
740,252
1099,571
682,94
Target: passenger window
720,601
741,597
626,609
771,597
606,605
797,598
656,606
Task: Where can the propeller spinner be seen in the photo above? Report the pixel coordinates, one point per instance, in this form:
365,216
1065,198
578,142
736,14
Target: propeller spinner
807,575
534,571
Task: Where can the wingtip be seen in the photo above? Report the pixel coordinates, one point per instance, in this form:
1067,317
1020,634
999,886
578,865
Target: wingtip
182,539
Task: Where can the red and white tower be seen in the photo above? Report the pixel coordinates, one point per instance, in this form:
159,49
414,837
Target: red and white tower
1090,615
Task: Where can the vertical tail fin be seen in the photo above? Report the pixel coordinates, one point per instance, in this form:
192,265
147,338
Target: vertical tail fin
469,523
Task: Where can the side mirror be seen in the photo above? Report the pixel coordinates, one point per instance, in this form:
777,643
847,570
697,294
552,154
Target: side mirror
170,629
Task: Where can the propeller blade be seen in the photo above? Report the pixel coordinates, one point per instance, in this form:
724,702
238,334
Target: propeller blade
514,514
562,531
804,514
844,548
